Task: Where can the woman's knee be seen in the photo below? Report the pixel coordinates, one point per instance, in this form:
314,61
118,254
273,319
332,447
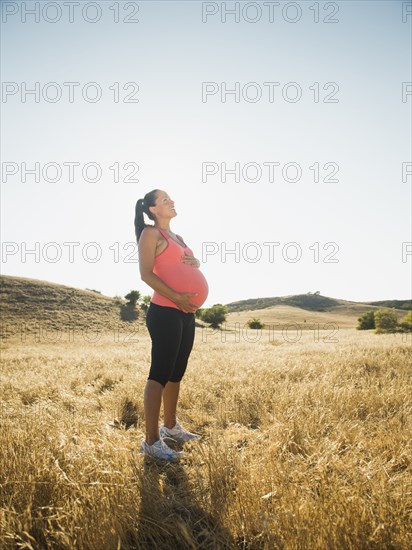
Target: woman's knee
158,377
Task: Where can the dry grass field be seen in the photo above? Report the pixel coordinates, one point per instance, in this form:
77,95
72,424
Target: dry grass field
306,430
306,444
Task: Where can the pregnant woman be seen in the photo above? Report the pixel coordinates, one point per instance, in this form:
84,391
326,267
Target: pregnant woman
168,266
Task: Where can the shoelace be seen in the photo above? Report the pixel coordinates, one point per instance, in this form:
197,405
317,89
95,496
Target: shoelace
166,449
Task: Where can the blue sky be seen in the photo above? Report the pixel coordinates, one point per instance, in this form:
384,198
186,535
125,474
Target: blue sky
361,60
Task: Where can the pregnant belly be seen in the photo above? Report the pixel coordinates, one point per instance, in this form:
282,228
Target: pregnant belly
186,278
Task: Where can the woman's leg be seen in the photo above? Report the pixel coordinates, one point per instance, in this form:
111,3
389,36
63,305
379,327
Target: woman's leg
165,328
152,401
171,391
170,397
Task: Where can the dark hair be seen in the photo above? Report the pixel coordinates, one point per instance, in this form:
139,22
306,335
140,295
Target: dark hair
142,205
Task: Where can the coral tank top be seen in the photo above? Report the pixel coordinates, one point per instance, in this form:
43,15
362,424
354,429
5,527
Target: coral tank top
180,276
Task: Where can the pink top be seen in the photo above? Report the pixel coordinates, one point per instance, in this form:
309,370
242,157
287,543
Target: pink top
180,276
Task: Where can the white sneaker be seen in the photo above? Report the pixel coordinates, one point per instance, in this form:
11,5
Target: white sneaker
177,433
159,449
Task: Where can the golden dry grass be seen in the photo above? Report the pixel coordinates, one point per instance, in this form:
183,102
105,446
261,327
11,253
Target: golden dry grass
305,445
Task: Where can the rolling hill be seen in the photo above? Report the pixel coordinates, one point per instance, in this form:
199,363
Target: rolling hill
308,311
28,304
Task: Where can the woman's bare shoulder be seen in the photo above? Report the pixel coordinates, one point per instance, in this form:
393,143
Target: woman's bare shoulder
150,230
149,234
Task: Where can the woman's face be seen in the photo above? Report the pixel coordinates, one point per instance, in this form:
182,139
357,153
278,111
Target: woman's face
164,207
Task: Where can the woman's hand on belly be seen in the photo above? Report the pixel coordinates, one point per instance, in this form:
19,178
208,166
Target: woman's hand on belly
189,259
183,300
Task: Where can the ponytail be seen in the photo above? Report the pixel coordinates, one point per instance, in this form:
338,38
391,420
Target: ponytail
142,206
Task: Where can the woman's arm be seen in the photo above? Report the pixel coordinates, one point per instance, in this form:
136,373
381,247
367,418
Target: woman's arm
147,250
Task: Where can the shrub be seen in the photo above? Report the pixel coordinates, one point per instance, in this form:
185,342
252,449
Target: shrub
215,315
132,297
366,321
406,322
199,312
254,323
386,321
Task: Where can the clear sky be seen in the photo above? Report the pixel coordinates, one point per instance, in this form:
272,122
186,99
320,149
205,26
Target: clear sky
319,130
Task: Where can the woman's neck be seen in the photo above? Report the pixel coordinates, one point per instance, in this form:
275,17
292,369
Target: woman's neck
167,229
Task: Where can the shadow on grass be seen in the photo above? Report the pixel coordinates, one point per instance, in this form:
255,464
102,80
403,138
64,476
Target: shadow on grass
170,516
128,312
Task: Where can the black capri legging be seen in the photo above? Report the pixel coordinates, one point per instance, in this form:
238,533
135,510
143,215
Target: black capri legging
172,332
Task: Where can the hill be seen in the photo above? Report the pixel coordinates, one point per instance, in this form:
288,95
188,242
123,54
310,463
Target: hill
29,305
397,304
308,311
312,302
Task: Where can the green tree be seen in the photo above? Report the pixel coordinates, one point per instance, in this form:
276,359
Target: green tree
132,297
199,312
406,322
215,315
254,323
366,321
386,321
